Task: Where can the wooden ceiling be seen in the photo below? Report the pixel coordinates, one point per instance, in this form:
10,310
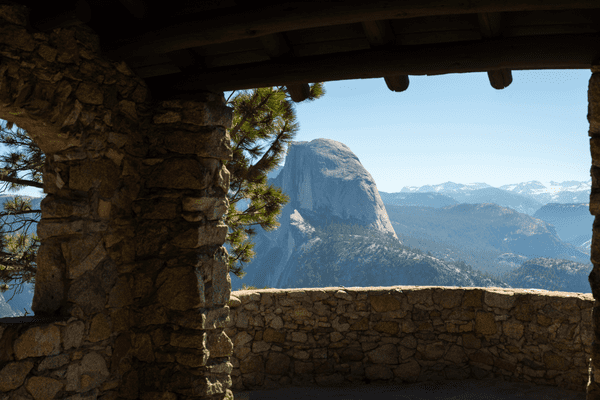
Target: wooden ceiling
180,47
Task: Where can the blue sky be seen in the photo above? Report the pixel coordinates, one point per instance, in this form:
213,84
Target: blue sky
458,128
454,127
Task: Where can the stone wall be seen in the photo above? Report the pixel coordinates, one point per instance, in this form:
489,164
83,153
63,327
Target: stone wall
593,116
346,336
132,280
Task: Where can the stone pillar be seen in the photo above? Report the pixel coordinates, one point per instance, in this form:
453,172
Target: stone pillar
138,250
180,280
131,229
593,116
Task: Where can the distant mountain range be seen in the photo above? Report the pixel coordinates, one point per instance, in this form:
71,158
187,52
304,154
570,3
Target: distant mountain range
488,236
526,197
483,235
564,205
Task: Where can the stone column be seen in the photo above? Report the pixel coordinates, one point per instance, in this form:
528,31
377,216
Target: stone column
180,280
131,229
593,116
132,247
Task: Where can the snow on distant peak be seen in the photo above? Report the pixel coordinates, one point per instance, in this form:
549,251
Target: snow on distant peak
550,187
411,189
532,187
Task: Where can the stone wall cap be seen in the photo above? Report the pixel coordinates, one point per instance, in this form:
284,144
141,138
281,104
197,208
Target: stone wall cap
242,293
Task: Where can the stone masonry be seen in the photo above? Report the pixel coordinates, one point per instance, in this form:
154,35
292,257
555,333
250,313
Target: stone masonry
132,279
593,116
406,334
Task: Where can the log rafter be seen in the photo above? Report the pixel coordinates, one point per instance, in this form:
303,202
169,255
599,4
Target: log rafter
252,21
62,15
277,48
519,53
490,25
135,8
188,46
381,35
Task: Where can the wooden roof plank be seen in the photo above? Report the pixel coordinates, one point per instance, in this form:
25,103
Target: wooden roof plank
229,54
61,16
464,22
135,8
552,17
325,33
234,23
490,24
438,37
254,53
275,45
379,33
229,47
536,52
550,30
337,46
245,57
156,70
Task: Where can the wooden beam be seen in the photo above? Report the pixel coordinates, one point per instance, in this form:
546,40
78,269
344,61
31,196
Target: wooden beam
381,35
398,83
520,53
277,48
501,78
298,92
490,25
183,58
187,60
60,16
135,8
187,7
275,45
259,19
156,70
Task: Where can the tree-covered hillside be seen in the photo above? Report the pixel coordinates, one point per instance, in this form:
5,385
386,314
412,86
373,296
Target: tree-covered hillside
332,256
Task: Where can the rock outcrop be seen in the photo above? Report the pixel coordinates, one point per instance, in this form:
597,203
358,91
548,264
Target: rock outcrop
324,178
326,183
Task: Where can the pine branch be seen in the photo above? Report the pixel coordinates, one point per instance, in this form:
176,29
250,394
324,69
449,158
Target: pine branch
22,182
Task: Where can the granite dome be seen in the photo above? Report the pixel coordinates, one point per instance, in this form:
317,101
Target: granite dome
324,177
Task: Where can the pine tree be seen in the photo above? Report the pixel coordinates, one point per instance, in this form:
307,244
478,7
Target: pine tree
263,113
19,262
